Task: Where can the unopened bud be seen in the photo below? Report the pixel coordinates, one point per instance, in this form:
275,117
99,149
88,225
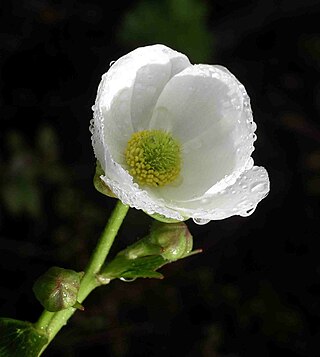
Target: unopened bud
174,239
57,289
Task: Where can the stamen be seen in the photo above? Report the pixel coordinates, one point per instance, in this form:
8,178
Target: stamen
153,157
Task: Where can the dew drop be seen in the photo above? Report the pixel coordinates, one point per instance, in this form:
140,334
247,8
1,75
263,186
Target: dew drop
257,186
112,63
249,164
248,212
201,221
128,280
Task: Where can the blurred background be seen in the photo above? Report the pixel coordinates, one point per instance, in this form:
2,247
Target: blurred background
255,290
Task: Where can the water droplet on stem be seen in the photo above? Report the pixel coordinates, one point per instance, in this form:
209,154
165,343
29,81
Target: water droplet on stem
127,280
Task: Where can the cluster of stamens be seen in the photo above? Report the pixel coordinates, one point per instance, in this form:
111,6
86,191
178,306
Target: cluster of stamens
153,157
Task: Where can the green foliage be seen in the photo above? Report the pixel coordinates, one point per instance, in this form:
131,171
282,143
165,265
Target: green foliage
143,267
180,24
23,174
36,182
20,339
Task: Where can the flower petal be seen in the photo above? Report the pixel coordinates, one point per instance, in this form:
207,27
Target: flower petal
208,111
150,81
130,194
241,198
127,94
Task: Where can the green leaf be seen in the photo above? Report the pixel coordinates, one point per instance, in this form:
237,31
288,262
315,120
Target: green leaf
144,267
20,339
133,274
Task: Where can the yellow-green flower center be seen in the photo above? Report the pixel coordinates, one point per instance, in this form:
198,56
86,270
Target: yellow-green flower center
153,157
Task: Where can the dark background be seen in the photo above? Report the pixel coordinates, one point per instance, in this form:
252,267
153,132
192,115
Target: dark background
254,291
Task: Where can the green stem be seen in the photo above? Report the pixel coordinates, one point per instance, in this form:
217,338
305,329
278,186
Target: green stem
53,322
44,320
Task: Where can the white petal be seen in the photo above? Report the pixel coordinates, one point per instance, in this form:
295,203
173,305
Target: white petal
130,194
128,92
208,111
241,198
159,66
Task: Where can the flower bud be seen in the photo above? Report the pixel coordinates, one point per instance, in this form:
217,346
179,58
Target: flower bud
57,289
174,239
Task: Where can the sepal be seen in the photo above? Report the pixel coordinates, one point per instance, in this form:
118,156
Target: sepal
100,184
162,218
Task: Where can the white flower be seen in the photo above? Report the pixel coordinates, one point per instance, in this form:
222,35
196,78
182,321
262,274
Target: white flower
203,110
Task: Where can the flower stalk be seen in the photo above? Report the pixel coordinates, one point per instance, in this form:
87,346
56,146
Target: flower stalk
51,322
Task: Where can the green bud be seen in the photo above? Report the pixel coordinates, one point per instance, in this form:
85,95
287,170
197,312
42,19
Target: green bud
166,242
57,289
99,184
174,239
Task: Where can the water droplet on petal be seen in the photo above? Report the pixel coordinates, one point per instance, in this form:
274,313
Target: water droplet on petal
127,280
249,164
111,63
248,212
258,186
201,221
205,200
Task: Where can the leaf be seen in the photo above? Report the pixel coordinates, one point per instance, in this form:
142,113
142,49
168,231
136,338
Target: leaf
145,267
20,339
